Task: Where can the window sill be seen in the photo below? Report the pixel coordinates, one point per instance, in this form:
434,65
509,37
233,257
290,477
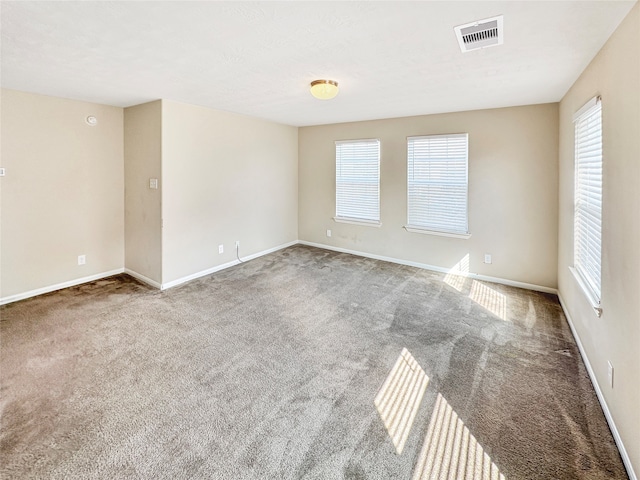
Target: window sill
355,221
591,297
425,231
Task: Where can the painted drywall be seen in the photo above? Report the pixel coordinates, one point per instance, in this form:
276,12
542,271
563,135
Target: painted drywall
615,75
62,193
143,215
513,155
226,177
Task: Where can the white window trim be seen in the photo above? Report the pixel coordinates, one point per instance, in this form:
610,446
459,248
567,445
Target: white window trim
586,107
593,298
588,292
357,221
426,230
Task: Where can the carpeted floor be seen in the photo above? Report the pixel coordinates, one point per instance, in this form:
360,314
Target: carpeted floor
303,363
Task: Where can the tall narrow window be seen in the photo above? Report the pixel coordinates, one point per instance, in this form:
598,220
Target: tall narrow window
358,181
437,183
587,240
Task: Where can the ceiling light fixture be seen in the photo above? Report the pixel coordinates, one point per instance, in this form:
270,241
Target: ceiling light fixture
324,89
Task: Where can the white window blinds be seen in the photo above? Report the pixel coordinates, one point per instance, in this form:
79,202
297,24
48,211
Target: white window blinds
437,182
588,197
358,180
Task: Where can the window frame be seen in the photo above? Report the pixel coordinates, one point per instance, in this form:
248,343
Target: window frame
432,229
586,216
354,219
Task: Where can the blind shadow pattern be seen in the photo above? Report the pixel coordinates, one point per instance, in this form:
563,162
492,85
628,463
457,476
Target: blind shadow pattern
451,452
399,398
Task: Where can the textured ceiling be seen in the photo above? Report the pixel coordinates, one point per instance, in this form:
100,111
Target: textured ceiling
391,59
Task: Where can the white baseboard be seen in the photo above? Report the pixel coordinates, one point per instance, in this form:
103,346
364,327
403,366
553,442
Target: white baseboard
502,281
142,278
173,283
139,276
202,273
270,250
59,286
217,268
603,403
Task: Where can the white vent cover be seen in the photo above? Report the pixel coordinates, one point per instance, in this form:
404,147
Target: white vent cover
480,34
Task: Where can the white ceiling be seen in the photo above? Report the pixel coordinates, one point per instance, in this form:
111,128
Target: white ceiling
391,59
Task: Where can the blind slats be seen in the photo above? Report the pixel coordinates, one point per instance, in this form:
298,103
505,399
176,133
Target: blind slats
437,182
588,197
358,180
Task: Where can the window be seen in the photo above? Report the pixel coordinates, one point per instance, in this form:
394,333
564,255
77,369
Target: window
437,184
587,220
358,181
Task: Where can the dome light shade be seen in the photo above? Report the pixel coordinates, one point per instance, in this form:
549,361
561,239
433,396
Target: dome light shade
324,89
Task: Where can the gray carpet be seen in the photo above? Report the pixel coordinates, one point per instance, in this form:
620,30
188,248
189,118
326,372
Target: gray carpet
300,364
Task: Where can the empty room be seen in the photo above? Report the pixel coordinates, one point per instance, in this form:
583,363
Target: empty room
320,240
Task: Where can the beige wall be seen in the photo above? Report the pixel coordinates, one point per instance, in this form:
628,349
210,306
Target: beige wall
143,215
226,177
62,195
615,74
513,154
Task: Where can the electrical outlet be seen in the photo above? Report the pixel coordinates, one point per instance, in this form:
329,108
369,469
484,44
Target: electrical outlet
82,259
610,373
153,183
237,243
220,248
487,258
328,233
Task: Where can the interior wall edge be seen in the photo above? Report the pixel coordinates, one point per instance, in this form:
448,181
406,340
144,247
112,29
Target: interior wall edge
596,386
144,279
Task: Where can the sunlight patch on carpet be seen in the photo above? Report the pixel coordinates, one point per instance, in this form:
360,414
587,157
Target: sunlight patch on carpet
451,452
489,299
457,276
399,398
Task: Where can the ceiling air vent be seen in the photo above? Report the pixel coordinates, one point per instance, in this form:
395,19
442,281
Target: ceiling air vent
480,34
